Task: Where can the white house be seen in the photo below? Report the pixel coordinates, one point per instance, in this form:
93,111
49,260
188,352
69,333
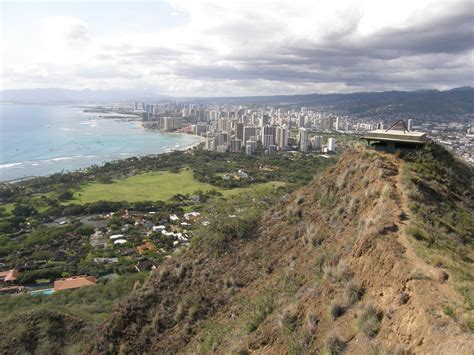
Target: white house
116,236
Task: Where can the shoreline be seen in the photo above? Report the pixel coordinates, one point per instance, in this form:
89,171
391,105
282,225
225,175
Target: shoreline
12,172
184,148
15,181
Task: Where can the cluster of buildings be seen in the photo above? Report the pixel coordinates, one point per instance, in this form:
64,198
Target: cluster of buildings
242,129
139,241
281,128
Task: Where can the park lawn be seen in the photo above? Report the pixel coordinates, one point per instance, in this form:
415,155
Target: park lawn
8,208
148,186
155,186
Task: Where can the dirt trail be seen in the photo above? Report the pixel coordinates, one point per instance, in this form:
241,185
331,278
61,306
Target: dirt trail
433,273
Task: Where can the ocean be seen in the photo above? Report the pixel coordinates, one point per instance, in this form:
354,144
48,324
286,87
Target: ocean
39,140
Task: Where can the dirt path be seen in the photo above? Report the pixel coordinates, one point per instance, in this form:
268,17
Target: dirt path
419,266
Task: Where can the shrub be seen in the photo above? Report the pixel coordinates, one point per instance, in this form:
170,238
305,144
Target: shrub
259,312
336,310
353,292
289,319
339,273
334,345
416,232
312,235
417,274
387,191
369,320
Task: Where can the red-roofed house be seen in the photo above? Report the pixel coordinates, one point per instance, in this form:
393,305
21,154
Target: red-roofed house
8,276
74,282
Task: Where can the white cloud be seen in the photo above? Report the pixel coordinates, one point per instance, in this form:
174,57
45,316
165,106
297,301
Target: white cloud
269,47
64,30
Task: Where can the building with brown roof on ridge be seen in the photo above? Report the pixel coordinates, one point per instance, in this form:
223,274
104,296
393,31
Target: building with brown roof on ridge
74,282
8,276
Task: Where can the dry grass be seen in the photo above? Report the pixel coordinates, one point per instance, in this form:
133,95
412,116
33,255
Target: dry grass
334,345
369,320
353,292
339,273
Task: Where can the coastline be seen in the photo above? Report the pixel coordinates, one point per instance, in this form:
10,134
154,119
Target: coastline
180,149
35,165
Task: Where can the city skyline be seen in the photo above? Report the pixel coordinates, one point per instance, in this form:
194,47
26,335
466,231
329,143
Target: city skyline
180,48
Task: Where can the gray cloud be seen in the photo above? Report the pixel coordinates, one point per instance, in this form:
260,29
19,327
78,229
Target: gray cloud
389,56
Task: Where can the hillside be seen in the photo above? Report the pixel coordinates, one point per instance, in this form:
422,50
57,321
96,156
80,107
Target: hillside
364,258
454,101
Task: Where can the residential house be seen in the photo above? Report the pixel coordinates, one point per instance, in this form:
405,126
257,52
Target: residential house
8,276
74,282
144,247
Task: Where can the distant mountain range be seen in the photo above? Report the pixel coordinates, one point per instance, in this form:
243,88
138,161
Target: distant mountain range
458,100
55,95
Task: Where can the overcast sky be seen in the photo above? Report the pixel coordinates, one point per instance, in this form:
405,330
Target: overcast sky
217,48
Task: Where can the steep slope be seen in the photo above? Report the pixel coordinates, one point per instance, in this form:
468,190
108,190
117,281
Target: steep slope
42,332
329,268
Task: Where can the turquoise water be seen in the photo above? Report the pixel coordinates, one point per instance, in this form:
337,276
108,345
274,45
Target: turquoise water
47,291
40,140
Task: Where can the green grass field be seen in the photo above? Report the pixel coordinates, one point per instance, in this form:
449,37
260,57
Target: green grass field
8,207
153,186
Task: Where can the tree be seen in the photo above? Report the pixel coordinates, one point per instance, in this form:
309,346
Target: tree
24,211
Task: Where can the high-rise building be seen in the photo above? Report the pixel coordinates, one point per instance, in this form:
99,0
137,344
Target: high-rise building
249,131
329,123
281,137
250,147
210,143
267,140
303,139
239,130
201,128
227,126
300,121
268,131
220,124
221,138
172,123
331,145
317,142
337,123
410,124
235,145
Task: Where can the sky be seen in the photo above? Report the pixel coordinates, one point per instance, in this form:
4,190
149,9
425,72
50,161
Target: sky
237,48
